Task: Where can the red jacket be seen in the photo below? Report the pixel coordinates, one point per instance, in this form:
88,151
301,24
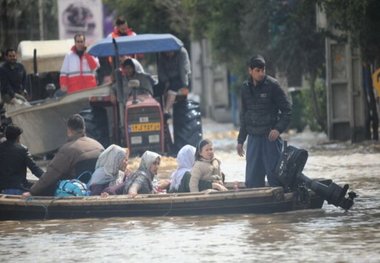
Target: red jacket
78,72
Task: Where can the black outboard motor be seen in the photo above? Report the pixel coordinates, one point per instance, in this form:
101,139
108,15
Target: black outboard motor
289,172
332,193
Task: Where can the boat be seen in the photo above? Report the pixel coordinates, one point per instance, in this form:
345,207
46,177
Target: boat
41,138
235,201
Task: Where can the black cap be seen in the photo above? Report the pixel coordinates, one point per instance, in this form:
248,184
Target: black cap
12,132
257,62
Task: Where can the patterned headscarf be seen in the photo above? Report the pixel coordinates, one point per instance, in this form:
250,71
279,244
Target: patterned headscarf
147,159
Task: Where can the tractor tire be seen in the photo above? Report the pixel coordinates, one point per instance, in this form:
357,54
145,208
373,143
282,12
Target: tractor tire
96,122
187,124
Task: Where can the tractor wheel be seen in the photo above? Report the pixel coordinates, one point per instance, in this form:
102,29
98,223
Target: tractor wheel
96,124
187,124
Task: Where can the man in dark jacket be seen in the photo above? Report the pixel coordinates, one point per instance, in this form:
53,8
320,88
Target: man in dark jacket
12,76
174,71
78,149
14,159
265,114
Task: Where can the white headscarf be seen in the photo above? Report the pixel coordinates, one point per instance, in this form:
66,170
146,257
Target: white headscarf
185,161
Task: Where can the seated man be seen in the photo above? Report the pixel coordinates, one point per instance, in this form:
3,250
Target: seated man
63,166
132,70
14,159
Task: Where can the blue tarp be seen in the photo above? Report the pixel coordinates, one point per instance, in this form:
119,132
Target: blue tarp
144,43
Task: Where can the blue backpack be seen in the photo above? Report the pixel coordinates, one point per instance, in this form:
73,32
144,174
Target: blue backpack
72,187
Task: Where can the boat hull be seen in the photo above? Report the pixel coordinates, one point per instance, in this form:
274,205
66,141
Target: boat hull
245,201
44,124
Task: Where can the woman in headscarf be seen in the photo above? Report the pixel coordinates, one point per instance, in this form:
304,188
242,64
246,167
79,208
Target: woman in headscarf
110,169
185,161
140,182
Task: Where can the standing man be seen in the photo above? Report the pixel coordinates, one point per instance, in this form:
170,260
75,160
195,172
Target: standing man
78,149
121,28
14,159
173,75
78,68
12,77
265,114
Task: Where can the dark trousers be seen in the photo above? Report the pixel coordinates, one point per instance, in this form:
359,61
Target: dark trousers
261,157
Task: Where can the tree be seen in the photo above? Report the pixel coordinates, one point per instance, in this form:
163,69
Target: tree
19,21
154,16
283,31
358,19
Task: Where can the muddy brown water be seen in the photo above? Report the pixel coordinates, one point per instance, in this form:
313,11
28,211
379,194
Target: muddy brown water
325,235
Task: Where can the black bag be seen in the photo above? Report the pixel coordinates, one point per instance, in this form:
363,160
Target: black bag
290,165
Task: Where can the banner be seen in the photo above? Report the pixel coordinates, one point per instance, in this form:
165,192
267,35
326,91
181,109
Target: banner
85,16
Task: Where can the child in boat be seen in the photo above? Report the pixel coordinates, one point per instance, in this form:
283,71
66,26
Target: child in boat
181,176
110,169
206,168
140,182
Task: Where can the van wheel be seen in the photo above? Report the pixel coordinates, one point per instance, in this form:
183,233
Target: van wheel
96,122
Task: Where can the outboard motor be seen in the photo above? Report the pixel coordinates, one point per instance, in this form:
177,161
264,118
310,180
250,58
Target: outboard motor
289,172
332,193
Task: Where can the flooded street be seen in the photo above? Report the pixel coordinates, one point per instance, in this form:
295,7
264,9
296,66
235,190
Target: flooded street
326,235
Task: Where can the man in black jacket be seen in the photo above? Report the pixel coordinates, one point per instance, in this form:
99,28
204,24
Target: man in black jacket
12,77
265,114
14,159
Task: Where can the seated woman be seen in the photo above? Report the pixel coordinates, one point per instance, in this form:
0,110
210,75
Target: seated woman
110,169
140,182
206,168
181,176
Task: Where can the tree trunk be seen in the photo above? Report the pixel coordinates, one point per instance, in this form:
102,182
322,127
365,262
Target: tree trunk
315,105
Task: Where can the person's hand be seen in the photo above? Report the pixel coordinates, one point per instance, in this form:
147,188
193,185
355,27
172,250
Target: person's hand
104,195
219,187
163,183
26,195
240,150
273,135
132,194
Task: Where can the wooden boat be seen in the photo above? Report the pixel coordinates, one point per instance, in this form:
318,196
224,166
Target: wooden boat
244,201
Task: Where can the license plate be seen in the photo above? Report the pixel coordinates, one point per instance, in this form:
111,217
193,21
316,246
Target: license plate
145,127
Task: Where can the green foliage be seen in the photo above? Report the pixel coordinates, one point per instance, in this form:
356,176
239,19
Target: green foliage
308,112
20,21
154,16
303,112
358,19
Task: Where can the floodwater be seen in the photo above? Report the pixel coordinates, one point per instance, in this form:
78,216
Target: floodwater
326,235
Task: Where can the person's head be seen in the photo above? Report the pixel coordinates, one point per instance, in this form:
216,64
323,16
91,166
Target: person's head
256,67
128,68
12,133
204,150
11,55
75,125
80,41
113,159
186,157
150,161
121,25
